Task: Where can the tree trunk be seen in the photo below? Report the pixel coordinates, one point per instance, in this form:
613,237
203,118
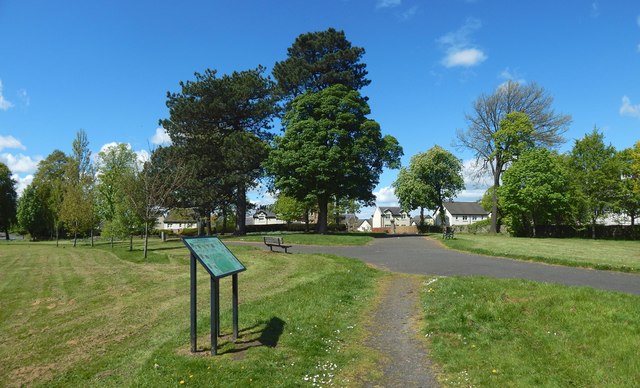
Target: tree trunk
146,239
57,233
306,220
130,242
593,228
92,237
224,219
6,234
494,199
421,216
111,242
322,214
241,211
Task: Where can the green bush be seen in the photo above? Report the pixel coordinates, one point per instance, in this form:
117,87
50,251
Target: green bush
479,226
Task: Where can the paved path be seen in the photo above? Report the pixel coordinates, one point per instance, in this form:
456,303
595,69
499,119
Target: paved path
394,332
420,255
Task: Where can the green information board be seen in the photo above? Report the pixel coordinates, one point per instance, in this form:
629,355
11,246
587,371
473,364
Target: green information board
214,256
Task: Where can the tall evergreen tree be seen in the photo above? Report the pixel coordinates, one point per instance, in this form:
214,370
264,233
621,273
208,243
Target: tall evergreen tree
220,124
317,60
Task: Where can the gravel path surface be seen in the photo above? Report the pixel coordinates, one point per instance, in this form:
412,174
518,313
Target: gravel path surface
394,333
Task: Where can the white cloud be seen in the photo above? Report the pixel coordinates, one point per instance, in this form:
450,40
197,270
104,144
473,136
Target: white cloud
10,142
475,184
386,196
627,109
22,182
459,48
161,137
465,58
408,14
20,163
595,9
143,157
388,3
4,104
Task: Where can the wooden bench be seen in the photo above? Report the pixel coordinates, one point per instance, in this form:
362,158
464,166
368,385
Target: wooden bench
447,233
276,242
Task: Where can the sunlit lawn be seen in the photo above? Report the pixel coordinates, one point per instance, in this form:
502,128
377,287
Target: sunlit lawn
516,333
599,254
87,317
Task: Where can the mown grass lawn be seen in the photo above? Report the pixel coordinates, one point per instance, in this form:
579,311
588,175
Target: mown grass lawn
87,317
516,333
337,239
598,254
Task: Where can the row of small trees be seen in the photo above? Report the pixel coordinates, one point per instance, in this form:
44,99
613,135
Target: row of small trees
119,195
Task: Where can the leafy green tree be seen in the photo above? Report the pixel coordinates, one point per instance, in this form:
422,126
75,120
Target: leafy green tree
595,169
412,192
317,60
8,199
487,117
49,181
115,166
220,127
330,149
77,209
536,190
628,198
441,172
289,209
31,212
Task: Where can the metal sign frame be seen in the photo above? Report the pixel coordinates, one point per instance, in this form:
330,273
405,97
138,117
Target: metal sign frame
219,262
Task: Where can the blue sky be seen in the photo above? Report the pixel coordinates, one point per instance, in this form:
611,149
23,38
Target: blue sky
106,66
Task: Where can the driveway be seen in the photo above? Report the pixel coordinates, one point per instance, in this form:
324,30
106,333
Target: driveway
419,255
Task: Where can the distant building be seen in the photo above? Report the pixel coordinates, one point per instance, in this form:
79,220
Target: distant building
390,216
266,217
461,213
364,226
178,219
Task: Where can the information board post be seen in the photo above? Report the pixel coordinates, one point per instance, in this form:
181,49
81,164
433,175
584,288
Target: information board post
194,290
234,292
218,260
215,315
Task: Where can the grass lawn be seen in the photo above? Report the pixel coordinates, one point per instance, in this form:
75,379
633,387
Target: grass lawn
598,254
92,317
516,333
339,239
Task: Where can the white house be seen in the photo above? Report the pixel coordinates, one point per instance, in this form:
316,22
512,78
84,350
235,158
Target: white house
266,217
461,213
364,226
178,219
390,216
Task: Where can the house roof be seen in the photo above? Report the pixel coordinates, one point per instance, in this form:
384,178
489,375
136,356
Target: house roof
465,208
360,222
395,210
267,213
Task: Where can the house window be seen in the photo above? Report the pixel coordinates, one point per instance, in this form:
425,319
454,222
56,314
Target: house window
456,218
464,218
475,218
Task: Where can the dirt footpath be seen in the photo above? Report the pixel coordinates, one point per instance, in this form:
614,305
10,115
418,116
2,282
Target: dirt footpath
394,332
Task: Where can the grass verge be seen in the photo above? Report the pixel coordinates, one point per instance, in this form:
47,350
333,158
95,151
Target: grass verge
487,332
86,317
597,254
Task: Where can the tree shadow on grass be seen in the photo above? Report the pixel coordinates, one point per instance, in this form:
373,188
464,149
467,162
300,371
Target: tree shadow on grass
265,333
